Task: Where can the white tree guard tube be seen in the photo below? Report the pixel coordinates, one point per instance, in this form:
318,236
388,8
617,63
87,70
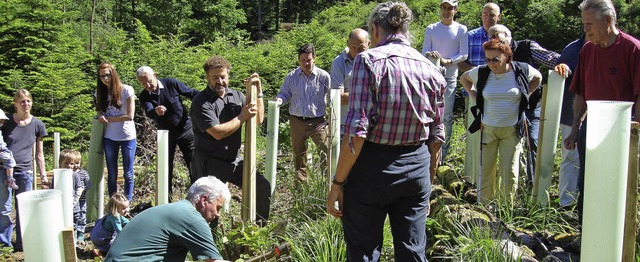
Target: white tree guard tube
63,181
605,184
41,221
162,157
472,148
273,121
334,128
56,150
549,124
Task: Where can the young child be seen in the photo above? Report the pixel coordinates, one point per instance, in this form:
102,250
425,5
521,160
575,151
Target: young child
81,183
6,156
107,228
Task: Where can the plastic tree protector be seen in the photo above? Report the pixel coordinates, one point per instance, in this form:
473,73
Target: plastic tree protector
56,150
605,184
273,121
63,179
95,168
41,221
162,182
472,149
549,124
334,129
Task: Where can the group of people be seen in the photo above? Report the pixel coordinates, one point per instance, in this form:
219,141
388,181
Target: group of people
400,106
397,118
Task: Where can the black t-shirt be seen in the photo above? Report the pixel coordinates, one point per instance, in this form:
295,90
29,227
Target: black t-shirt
208,110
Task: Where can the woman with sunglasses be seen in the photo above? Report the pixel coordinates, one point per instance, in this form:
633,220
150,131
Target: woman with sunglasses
501,89
115,103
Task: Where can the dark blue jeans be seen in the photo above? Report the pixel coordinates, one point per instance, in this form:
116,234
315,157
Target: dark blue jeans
393,181
581,146
128,149
24,180
533,129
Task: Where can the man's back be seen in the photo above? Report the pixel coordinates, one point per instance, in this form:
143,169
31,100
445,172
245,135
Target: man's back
165,233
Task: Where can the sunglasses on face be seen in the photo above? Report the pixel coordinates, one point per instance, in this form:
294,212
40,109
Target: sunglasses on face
105,76
493,60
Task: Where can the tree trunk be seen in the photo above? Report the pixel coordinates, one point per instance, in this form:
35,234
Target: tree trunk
277,18
92,18
259,19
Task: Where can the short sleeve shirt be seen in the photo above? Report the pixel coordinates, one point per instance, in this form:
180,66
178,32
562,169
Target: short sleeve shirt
120,131
208,110
20,140
165,233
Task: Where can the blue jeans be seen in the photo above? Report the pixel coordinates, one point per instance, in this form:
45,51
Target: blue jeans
533,118
111,155
24,180
393,181
449,102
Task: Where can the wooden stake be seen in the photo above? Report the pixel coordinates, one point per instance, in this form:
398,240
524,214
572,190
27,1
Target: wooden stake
249,176
68,244
630,226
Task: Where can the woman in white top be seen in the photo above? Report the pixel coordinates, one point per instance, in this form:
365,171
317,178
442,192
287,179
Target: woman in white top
501,114
115,103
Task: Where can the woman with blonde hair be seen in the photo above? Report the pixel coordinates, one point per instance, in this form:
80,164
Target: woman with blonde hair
21,132
115,104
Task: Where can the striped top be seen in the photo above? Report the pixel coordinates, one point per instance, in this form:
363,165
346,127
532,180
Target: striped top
501,97
306,94
396,96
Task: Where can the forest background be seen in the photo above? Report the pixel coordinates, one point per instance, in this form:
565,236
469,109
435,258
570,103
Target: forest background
53,47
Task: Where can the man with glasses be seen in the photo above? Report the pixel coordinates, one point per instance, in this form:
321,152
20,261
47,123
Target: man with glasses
446,41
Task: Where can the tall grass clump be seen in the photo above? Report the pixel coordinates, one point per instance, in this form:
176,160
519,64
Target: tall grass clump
319,240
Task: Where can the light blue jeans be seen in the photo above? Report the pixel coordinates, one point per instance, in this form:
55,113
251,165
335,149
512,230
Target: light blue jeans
128,149
24,180
449,101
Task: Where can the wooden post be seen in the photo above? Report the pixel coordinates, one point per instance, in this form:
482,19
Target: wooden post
249,176
68,244
630,226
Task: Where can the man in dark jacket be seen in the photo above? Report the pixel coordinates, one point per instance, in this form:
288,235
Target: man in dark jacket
161,101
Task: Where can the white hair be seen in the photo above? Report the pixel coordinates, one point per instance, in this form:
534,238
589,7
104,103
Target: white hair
602,8
144,70
210,186
502,31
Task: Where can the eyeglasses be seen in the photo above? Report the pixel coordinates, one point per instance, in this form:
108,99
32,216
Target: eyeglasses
493,60
105,76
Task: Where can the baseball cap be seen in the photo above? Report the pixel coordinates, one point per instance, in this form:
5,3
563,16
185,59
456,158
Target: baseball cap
2,115
451,2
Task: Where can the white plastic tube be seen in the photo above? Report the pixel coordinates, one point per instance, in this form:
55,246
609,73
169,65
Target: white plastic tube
56,150
162,181
605,184
472,147
548,138
63,181
334,128
41,221
273,121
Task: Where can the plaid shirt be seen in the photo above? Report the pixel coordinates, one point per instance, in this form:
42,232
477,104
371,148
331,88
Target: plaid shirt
477,37
396,96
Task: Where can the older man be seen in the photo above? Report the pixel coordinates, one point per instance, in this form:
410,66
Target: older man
447,41
161,101
167,232
357,42
608,69
476,37
305,89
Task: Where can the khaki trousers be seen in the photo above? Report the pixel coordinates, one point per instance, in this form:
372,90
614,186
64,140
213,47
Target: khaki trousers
301,130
